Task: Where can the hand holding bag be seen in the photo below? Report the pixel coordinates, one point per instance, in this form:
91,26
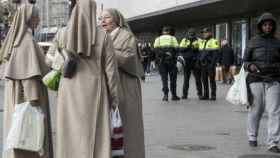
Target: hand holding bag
27,129
58,60
232,70
65,62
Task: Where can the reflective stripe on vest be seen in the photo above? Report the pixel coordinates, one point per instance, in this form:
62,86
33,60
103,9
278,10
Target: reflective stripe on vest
185,43
211,44
165,40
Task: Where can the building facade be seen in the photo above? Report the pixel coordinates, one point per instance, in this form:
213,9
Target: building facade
134,8
233,20
54,15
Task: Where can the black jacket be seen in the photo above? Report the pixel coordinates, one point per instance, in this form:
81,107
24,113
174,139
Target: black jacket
190,52
226,56
264,52
148,52
209,57
166,55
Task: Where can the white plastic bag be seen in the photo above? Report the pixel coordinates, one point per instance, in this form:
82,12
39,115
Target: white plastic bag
116,133
27,129
116,121
153,65
237,93
180,67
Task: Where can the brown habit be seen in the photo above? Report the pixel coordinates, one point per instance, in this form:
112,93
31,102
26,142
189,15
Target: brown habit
83,101
131,99
24,68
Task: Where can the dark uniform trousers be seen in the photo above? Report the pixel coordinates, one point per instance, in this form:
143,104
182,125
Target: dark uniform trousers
168,69
192,66
208,73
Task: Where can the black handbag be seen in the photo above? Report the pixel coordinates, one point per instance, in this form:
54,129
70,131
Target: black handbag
70,63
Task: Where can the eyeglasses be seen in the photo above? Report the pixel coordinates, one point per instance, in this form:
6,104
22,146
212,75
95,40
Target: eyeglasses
104,17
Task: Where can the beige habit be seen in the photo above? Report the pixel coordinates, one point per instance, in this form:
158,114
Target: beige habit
130,70
84,100
24,68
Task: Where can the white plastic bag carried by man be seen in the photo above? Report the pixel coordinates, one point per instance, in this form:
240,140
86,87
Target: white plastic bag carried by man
27,129
238,94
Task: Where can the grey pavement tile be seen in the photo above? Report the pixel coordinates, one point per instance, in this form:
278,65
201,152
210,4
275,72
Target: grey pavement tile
188,122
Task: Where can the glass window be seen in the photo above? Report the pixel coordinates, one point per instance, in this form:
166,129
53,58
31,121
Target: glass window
222,31
239,38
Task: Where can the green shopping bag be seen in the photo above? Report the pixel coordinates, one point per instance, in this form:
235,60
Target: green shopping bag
51,80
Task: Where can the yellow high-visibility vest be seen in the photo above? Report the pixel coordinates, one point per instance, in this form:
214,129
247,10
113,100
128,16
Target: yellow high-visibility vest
186,43
211,44
165,41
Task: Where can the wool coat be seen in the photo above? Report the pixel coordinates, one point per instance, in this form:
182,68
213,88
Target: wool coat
130,70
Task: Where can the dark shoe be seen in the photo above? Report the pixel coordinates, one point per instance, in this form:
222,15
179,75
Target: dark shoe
143,78
165,98
274,149
184,97
213,98
230,81
175,98
204,98
200,97
253,143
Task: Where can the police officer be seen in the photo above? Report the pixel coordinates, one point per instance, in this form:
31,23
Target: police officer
166,47
189,50
209,49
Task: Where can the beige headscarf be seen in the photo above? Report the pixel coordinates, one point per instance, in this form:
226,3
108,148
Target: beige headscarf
133,65
81,29
118,18
17,30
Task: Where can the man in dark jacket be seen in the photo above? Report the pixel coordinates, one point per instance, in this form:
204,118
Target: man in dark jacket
262,61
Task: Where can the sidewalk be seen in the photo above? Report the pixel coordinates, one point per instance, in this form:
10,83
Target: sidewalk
190,128
196,129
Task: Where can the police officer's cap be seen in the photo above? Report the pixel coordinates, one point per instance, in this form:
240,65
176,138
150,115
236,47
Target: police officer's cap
167,29
191,30
206,29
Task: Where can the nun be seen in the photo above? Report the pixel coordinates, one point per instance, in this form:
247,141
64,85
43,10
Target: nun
130,71
84,100
24,68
